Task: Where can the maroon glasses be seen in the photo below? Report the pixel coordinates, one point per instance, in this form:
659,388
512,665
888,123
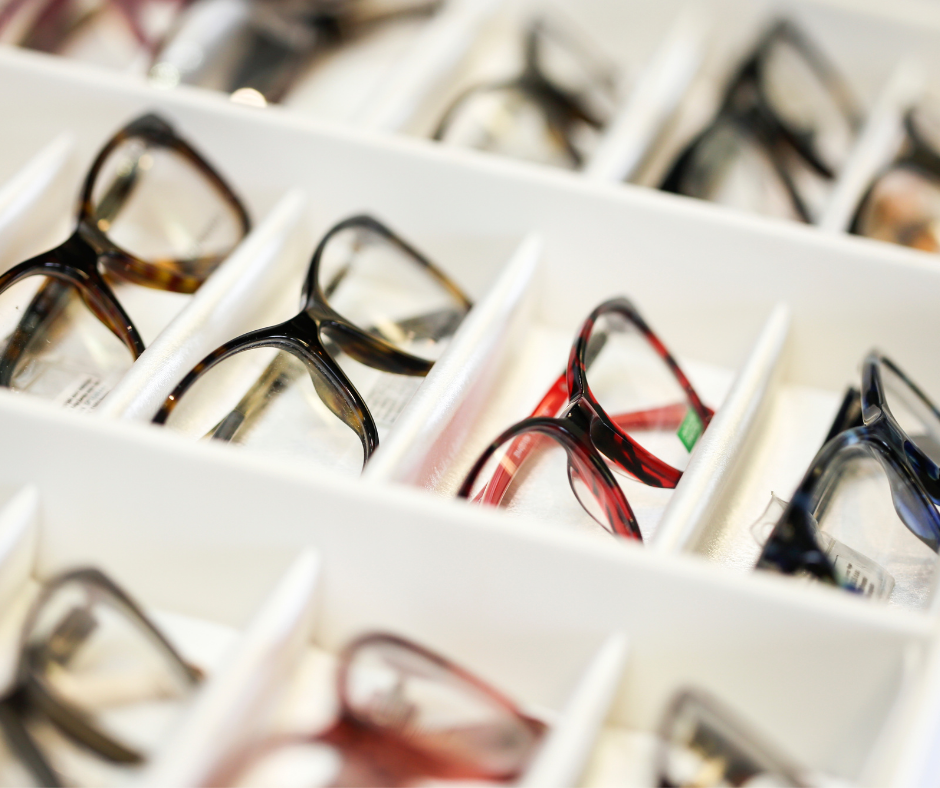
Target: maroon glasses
659,417
406,715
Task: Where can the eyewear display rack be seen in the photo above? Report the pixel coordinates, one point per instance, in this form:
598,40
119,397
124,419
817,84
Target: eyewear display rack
597,632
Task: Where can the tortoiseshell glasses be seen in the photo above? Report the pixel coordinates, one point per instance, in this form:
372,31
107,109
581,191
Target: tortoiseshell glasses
375,315
864,516
406,715
902,205
784,129
623,401
551,112
153,212
95,677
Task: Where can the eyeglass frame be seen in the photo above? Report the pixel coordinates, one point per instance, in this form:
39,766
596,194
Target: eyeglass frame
300,336
74,264
792,545
30,695
561,107
749,110
587,432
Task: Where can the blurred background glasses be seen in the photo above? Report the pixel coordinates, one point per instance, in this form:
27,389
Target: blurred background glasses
116,33
376,314
903,203
784,129
623,401
864,517
406,715
153,212
94,674
704,744
260,47
552,112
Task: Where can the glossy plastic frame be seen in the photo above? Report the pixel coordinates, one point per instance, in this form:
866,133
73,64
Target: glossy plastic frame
383,754
31,695
792,546
88,258
747,107
301,337
588,433
918,155
562,109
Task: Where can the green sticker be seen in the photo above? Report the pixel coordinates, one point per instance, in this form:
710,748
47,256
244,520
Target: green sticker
690,430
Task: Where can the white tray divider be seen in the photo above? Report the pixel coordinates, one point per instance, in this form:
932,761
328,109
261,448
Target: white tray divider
418,448
712,468
878,142
19,539
252,275
34,199
563,756
433,59
898,751
238,699
660,88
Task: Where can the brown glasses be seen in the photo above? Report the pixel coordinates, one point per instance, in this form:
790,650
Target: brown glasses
407,714
153,212
622,401
94,668
371,301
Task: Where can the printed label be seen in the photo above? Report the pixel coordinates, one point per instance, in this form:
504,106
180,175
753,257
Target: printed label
84,393
390,395
857,570
690,430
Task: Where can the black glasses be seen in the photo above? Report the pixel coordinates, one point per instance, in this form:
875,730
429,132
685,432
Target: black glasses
372,302
551,112
902,205
704,743
95,669
785,127
864,517
153,212
264,46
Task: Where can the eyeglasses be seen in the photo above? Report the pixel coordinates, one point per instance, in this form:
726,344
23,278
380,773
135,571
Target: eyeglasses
263,47
633,376
784,129
94,668
864,516
369,298
903,203
100,30
551,112
704,743
154,213
408,714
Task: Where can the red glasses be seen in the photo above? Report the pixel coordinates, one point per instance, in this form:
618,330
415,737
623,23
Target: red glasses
406,714
658,418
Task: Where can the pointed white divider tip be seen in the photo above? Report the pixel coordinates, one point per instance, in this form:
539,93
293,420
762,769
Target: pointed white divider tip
33,197
232,706
252,274
564,753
